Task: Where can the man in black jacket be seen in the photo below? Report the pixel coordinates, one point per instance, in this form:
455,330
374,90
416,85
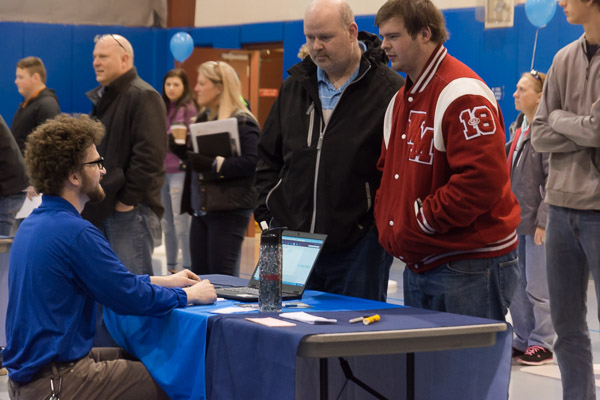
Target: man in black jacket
319,148
134,150
40,103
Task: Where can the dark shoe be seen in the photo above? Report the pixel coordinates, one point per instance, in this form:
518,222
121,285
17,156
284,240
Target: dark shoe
536,355
517,353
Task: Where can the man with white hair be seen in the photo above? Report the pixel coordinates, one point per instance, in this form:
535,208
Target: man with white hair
134,148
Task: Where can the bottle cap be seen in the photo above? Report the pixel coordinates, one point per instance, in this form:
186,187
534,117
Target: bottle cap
272,235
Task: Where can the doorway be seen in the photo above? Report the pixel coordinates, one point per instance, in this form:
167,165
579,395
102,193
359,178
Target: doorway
259,67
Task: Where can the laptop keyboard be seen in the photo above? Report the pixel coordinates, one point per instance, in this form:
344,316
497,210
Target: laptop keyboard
248,290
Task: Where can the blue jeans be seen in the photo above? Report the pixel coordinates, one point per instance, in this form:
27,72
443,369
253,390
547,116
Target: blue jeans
362,270
530,307
572,252
176,226
132,235
479,287
9,207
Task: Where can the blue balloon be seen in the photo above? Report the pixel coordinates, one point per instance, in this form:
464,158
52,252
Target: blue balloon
540,12
181,46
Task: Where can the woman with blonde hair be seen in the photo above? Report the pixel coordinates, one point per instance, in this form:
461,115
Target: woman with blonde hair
219,191
530,307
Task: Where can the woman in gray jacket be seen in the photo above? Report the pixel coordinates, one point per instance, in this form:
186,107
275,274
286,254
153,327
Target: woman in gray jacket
530,308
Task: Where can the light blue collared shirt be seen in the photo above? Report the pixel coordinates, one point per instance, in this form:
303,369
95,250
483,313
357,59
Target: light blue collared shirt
328,94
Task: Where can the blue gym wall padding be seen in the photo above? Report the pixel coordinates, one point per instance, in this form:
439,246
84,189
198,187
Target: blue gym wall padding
499,56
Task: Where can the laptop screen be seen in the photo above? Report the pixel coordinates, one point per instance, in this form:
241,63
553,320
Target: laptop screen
300,251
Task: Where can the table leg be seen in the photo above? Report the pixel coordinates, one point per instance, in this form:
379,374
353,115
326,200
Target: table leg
410,376
324,378
350,376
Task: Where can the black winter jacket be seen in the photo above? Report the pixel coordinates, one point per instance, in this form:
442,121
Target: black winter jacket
38,110
320,177
134,147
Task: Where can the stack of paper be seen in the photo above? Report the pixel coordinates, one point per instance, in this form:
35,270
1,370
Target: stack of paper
307,318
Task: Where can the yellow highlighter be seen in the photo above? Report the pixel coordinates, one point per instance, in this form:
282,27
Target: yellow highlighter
371,319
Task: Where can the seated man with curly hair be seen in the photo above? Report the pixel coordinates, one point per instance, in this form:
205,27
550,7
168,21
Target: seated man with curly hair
61,265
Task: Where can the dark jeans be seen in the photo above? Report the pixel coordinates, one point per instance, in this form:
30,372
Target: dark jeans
479,287
133,236
107,373
572,252
362,270
216,242
9,207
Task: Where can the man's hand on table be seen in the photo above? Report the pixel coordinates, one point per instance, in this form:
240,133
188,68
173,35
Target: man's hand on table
202,292
198,291
181,279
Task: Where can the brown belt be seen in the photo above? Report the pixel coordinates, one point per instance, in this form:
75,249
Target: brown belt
46,371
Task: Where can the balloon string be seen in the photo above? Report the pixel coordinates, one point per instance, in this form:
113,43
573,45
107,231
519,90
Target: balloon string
534,47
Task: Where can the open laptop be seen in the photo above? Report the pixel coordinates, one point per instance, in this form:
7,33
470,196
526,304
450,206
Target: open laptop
300,252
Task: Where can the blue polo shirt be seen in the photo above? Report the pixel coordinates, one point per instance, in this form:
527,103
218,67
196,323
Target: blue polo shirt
328,94
60,265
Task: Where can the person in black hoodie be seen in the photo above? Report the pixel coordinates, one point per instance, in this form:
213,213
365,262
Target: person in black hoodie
40,102
319,148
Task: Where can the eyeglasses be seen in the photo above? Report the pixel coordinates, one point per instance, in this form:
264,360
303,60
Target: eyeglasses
535,74
97,38
99,162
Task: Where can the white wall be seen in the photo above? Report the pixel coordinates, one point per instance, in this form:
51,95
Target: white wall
82,12
236,12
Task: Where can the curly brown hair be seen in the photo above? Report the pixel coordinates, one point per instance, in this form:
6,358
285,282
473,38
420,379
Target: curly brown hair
57,148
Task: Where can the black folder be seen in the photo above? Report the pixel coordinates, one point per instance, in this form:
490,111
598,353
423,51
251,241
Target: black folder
216,138
214,144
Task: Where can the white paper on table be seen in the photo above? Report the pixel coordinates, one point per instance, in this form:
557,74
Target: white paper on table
229,310
272,322
28,206
307,318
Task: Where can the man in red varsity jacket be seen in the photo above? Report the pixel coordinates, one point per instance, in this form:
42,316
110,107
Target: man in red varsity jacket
444,206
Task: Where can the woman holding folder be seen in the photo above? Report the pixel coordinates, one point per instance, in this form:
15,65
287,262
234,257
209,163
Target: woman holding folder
219,191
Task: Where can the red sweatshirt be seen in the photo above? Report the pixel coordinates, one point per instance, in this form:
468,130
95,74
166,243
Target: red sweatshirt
445,191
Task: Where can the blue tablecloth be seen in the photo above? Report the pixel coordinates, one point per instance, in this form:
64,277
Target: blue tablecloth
250,361
192,353
173,347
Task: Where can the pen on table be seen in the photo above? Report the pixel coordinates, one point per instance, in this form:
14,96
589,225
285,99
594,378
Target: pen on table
371,319
358,319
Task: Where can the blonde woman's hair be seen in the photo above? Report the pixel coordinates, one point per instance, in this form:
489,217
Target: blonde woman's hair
231,102
538,78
